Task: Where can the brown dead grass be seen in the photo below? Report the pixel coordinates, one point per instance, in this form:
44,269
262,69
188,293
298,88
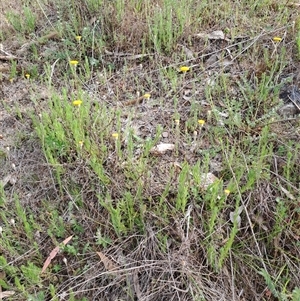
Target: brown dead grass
146,269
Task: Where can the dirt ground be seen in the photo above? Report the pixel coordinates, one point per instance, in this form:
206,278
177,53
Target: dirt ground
25,172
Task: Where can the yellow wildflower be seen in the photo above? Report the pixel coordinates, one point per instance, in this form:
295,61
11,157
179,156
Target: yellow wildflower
115,135
73,63
227,192
277,39
201,122
78,38
177,121
147,95
77,102
27,75
80,143
184,69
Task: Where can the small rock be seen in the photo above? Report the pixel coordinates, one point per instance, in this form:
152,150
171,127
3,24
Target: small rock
291,97
165,134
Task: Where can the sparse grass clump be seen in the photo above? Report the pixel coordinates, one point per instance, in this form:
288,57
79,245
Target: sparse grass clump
153,144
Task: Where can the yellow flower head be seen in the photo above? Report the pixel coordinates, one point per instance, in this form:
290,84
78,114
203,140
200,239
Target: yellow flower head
80,143
147,95
184,69
115,135
227,192
78,38
73,63
177,121
277,39
77,102
27,75
201,122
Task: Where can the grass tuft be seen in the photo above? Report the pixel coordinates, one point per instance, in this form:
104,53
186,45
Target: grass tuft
150,133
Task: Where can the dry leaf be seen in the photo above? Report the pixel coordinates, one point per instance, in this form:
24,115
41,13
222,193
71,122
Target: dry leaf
162,148
189,54
7,58
225,63
293,4
234,214
6,294
108,264
287,193
9,179
177,167
54,253
215,35
212,59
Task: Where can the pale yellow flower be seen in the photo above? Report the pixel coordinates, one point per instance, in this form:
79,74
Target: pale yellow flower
80,143
74,63
27,75
277,39
115,135
201,122
78,38
184,69
227,191
147,95
77,102
177,121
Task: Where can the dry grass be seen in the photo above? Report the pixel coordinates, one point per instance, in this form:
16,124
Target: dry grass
171,239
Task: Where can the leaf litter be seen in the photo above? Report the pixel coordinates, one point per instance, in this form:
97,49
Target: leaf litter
54,252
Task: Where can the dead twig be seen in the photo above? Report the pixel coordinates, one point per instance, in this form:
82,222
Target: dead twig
295,103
